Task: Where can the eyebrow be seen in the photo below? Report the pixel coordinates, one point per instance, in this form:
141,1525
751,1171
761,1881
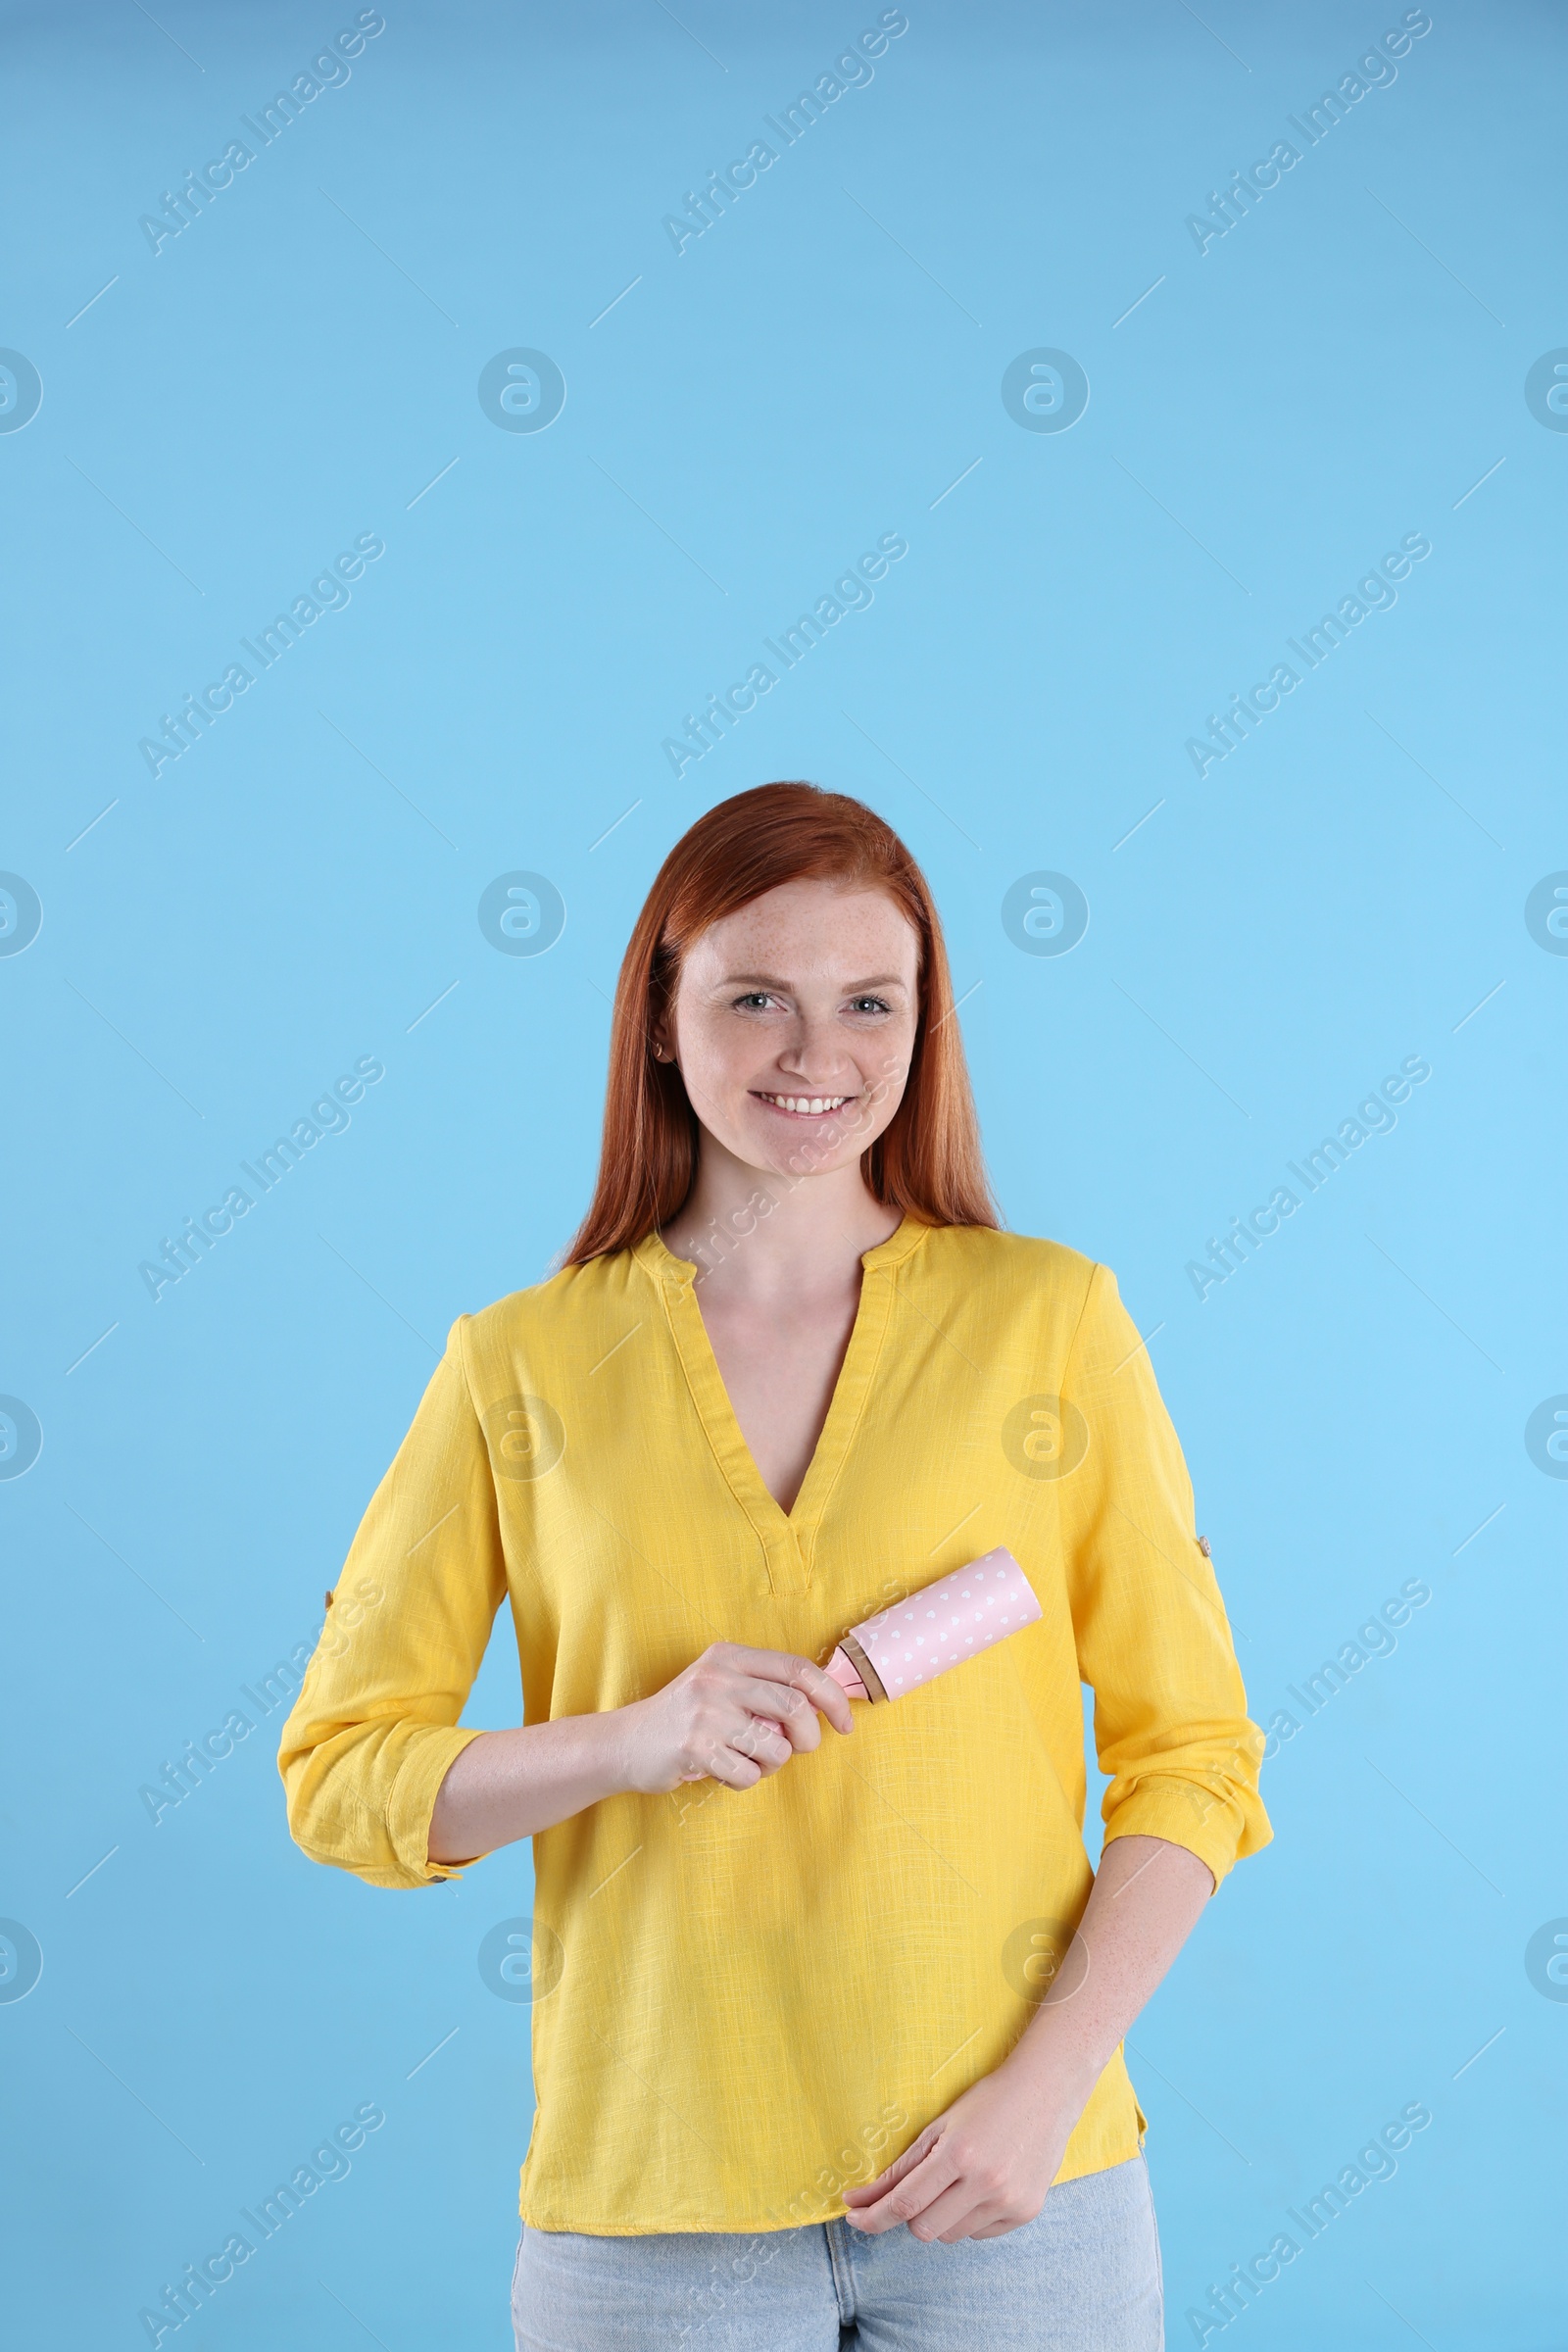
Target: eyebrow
769,980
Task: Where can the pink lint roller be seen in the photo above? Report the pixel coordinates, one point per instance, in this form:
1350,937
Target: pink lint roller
921,1636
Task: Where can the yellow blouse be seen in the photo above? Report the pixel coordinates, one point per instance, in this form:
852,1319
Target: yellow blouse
748,1999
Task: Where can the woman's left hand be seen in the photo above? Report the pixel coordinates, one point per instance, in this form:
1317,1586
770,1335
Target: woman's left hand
978,2171
984,2166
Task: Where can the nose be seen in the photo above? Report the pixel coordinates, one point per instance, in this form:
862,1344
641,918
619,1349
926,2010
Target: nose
814,1057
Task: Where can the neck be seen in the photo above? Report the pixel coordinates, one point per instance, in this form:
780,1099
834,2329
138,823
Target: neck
757,1233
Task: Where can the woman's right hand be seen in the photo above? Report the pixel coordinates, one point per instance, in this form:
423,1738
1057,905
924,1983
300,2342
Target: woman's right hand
733,1715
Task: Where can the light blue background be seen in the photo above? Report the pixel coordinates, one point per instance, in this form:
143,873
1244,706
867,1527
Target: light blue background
1337,370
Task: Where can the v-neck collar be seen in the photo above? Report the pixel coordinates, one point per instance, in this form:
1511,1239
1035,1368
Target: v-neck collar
788,1538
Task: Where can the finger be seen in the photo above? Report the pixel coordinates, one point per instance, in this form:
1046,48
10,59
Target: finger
912,2195
783,1666
916,2153
955,2214
790,1709
732,1771
763,1742
745,1754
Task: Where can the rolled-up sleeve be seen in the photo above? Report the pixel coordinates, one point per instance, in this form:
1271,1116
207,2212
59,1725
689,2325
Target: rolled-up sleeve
374,1729
1154,1644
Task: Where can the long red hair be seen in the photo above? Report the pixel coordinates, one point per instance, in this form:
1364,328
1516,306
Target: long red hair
926,1162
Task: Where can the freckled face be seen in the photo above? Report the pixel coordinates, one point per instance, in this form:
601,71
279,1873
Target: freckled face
794,1022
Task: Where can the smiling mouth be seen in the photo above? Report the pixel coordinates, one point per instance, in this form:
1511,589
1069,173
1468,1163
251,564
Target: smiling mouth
805,1106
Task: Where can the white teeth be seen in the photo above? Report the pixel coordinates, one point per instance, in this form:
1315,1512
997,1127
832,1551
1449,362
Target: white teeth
807,1102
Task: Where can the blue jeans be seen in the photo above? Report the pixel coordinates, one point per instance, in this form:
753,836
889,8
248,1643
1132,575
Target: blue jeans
1082,2276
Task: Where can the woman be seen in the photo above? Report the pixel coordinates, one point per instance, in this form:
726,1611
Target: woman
819,2019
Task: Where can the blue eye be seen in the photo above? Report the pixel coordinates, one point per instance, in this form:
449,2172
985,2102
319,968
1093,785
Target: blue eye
873,1003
